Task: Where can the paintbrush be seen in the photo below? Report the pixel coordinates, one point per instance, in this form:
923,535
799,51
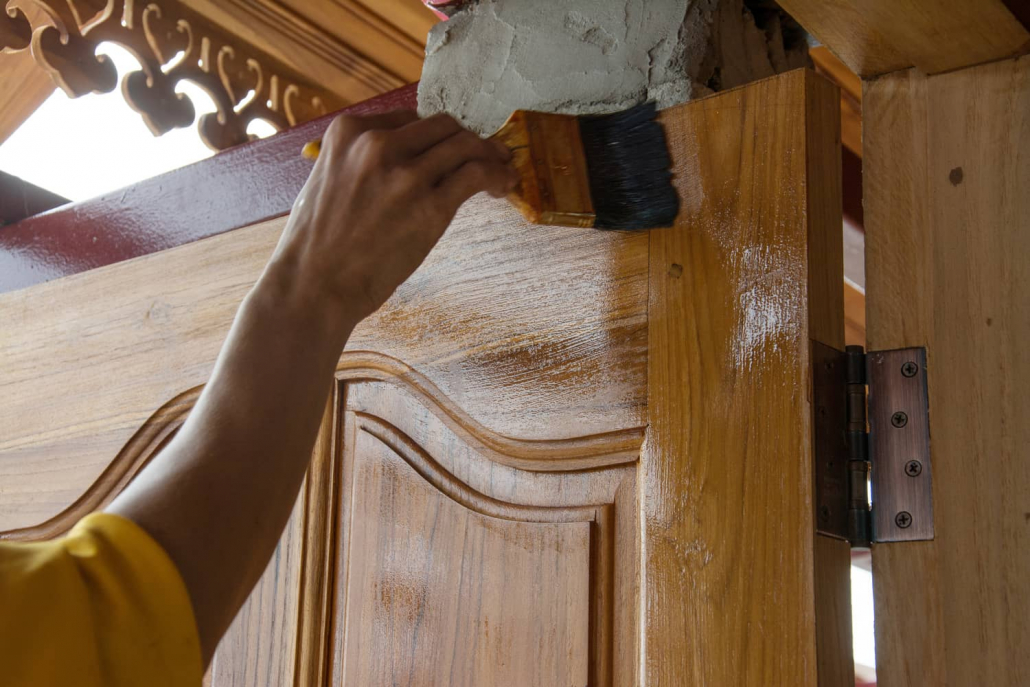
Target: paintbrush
606,171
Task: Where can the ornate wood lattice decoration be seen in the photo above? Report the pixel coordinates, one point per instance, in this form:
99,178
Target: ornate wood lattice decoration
172,43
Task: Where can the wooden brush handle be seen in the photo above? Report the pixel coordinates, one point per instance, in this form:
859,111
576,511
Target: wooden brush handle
554,185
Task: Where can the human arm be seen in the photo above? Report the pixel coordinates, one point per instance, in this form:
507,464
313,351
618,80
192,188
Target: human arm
218,496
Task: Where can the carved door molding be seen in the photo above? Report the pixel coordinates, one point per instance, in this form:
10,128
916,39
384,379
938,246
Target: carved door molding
555,457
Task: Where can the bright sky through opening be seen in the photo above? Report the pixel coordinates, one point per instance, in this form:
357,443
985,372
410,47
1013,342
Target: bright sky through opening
84,147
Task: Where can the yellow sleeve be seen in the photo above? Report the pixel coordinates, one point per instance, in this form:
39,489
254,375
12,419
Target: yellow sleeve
103,605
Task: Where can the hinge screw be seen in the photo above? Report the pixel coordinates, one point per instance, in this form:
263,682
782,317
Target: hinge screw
909,369
913,468
903,519
899,419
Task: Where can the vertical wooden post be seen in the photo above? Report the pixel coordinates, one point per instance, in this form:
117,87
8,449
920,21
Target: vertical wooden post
738,588
947,208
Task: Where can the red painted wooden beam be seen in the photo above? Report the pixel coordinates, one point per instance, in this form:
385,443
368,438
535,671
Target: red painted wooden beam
238,187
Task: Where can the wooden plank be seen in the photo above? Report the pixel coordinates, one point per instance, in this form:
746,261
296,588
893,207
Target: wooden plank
748,276
410,16
847,28
312,48
129,339
827,64
948,234
23,88
874,37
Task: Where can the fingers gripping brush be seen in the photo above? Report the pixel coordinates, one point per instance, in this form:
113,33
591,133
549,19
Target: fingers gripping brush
606,171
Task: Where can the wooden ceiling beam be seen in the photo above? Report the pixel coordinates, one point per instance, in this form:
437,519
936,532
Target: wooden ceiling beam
23,85
23,88
874,37
343,46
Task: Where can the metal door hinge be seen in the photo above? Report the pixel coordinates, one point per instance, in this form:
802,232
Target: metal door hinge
873,473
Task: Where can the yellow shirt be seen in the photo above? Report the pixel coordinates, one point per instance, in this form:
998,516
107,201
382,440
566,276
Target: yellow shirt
102,606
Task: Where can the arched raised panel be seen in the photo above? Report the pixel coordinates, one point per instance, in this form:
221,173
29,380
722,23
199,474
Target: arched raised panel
434,592
449,566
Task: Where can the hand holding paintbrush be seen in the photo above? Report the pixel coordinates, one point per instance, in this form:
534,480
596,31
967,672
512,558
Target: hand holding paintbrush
605,171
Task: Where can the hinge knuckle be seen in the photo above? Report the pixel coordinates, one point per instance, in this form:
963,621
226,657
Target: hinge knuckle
876,403
859,511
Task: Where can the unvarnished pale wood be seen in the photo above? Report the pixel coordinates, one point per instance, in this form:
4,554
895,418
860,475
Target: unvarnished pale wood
874,37
948,235
827,64
750,273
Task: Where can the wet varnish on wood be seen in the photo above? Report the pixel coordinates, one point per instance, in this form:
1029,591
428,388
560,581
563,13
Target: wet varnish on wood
558,457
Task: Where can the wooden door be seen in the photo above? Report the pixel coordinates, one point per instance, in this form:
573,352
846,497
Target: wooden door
556,457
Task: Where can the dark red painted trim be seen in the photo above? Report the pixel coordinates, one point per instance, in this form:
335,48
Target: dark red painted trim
20,199
240,186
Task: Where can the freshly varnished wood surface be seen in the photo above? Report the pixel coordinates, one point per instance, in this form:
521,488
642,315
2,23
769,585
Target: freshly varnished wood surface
502,396
948,240
748,276
874,37
91,357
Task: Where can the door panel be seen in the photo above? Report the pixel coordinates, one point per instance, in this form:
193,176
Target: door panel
431,566
556,456
455,565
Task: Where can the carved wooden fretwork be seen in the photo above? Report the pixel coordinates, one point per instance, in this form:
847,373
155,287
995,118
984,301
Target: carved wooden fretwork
172,43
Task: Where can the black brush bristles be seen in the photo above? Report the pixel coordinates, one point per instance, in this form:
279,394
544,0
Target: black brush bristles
628,161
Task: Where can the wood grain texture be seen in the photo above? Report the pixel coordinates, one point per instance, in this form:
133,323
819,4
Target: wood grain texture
750,273
122,340
454,569
555,457
830,66
330,38
313,47
23,84
259,646
410,16
879,36
948,232
23,88
369,32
